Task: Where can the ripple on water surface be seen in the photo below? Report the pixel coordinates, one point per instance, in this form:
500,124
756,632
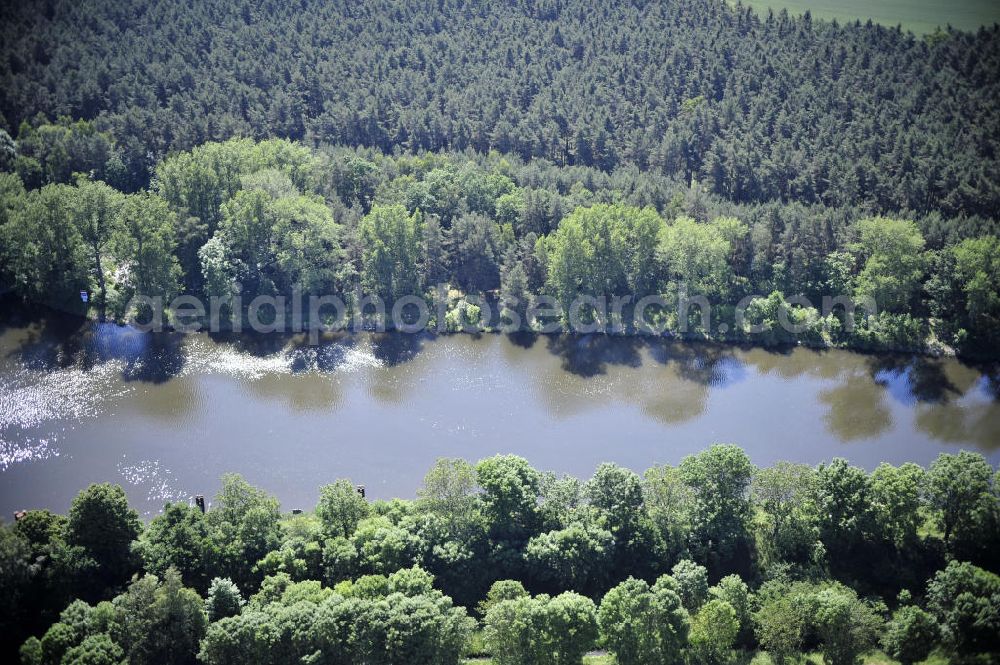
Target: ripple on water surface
43,396
159,482
205,357
30,398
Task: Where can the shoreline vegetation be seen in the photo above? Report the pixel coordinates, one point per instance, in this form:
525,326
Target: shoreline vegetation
457,324
479,240
709,562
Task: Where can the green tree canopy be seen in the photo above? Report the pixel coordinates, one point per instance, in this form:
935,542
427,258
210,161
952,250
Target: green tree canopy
697,253
964,600
643,625
911,635
101,527
891,253
604,250
341,507
390,239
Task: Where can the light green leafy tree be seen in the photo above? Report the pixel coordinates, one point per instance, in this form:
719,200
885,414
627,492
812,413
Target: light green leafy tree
96,217
43,250
643,625
245,525
391,241
181,538
535,631
196,183
697,254
604,250
670,503
977,274
719,478
690,581
509,501
499,591
574,558
713,632
781,620
846,625
892,258
449,490
223,599
97,649
896,495
960,491
144,249
341,507
735,591
101,527
786,520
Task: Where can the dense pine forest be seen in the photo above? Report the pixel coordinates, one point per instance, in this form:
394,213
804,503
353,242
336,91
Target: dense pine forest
700,563
756,107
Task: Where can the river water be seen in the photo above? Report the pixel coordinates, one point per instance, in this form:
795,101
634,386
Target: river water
166,415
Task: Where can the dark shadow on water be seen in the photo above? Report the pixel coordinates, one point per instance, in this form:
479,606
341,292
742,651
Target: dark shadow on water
705,363
158,360
589,355
255,344
856,409
43,350
792,361
913,379
523,338
52,339
62,341
16,313
328,354
396,348
990,382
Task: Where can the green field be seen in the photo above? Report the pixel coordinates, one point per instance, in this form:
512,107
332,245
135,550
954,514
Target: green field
919,16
